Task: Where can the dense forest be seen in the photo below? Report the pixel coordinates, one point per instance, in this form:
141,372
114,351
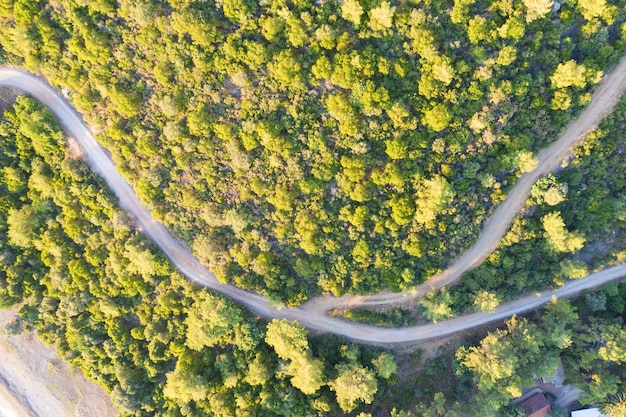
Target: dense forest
574,223
302,147
114,307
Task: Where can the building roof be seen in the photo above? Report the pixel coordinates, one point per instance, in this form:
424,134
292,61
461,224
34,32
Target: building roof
589,412
535,406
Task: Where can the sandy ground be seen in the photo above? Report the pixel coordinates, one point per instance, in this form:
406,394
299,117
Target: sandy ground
9,406
35,382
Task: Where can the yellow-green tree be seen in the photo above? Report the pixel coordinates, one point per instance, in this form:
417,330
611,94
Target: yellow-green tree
558,237
289,340
354,383
569,74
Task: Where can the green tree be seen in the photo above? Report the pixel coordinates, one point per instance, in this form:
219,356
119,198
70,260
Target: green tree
290,344
614,406
558,237
507,359
537,9
486,302
549,191
402,209
239,10
286,69
23,226
351,10
307,374
596,300
558,322
569,74
381,17
354,384
211,320
385,365
183,386
614,349
361,252
287,338
437,306
437,117
433,196
592,9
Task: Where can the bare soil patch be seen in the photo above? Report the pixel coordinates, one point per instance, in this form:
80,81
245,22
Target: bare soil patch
7,97
34,381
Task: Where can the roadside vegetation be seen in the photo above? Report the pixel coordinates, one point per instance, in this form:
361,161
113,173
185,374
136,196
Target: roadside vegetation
396,317
480,378
113,306
302,147
573,224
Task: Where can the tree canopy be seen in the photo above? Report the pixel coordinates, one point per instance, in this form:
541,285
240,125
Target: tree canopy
259,131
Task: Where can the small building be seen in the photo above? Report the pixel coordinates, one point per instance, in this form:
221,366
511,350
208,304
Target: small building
535,406
589,412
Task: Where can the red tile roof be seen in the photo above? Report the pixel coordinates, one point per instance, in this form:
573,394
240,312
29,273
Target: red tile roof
536,406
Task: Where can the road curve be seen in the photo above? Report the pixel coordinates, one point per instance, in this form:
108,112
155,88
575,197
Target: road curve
313,314
602,104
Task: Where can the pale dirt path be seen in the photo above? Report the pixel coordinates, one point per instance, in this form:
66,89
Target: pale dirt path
10,405
313,313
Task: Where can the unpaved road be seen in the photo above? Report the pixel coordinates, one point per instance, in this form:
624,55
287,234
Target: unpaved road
313,313
604,100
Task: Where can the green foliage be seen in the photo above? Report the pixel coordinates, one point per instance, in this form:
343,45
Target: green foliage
549,191
14,327
287,338
351,10
255,131
596,300
614,406
381,17
486,302
22,226
93,286
436,306
385,365
568,74
557,236
536,9
273,119
239,10
511,410
591,9
212,320
434,195
437,118
508,359
393,318
354,384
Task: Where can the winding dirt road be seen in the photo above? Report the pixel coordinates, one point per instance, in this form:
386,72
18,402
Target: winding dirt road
602,104
313,314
